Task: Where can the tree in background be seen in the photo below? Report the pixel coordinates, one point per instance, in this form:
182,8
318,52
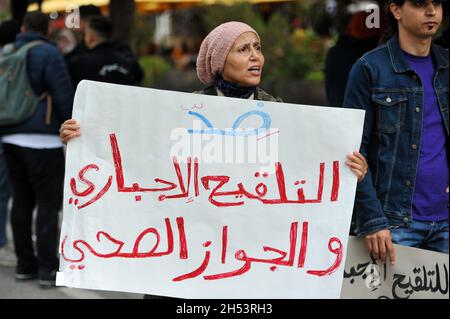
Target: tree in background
122,14
19,8
293,50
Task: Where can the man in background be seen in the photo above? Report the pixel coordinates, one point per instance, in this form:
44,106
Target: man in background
403,87
35,158
8,31
102,62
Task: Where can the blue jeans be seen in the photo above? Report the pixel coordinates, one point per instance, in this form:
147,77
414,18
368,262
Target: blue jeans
425,235
4,192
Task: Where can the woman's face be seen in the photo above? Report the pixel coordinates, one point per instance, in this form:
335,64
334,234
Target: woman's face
245,61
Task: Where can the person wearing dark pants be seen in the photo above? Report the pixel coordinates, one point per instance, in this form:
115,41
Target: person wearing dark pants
34,155
37,176
8,31
7,257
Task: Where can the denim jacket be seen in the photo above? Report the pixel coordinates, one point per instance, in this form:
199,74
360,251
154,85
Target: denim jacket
384,85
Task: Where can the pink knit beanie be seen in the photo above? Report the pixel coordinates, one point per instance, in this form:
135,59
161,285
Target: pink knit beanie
215,48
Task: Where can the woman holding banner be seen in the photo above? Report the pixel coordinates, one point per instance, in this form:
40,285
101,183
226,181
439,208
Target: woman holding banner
230,63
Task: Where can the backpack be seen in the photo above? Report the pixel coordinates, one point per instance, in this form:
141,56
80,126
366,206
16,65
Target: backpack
17,99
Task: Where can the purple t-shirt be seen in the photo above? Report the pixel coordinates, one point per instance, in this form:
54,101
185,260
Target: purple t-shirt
430,200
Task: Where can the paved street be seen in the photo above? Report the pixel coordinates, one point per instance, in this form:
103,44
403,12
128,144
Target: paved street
10,289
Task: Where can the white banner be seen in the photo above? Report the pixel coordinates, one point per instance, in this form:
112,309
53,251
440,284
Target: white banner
417,274
197,196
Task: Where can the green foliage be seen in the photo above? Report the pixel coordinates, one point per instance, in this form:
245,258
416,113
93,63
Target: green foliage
155,67
143,32
4,15
241,11
289,54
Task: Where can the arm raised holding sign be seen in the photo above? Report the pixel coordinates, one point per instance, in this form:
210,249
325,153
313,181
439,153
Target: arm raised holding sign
234,70
69,129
